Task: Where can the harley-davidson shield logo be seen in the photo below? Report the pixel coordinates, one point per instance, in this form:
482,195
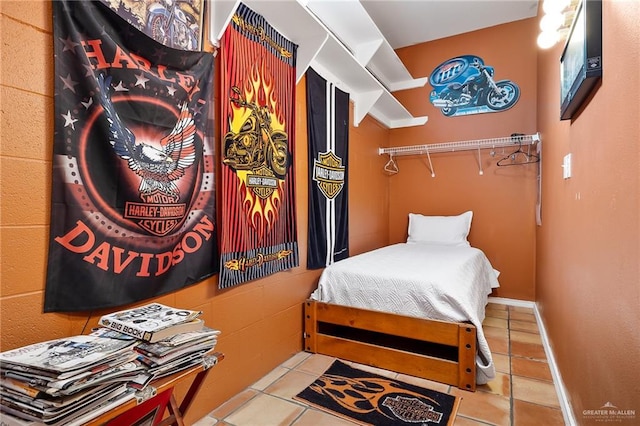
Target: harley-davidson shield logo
157,219
262,182
329,174
412,410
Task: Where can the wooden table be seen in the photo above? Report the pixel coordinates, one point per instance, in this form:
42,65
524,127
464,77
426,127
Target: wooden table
176,411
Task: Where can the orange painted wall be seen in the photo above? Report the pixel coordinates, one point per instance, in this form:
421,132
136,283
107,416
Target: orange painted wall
261,321
581,265
503,198
588,248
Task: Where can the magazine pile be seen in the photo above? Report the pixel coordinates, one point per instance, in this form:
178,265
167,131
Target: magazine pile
153,322
71,380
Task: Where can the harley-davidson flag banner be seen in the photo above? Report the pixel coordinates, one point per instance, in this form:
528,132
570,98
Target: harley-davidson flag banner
328,133
133,192
258,228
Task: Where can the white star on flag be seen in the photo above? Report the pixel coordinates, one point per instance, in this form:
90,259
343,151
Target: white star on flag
120,87
69,45
88,70
141,80
87,104
69,83
69,120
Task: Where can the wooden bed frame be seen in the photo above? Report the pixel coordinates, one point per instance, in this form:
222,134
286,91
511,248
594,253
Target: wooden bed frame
435,350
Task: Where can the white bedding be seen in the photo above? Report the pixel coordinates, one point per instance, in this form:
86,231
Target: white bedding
443,282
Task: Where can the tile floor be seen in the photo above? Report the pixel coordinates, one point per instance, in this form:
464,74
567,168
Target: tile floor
522,393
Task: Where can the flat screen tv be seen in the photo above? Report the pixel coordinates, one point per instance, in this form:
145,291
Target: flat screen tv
581,60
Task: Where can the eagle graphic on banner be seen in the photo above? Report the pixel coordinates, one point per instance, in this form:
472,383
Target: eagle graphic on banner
158,168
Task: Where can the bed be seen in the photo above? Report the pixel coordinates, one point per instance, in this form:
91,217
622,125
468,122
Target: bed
414,307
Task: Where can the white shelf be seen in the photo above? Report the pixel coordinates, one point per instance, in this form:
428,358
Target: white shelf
349,61
351,24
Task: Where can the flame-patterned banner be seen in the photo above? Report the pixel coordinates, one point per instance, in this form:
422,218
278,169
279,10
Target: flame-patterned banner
258,102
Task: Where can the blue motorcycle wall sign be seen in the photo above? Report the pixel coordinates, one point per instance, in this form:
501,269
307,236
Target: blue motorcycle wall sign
168,24
464,85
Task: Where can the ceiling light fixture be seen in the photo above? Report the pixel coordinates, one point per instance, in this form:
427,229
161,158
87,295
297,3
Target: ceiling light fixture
558,15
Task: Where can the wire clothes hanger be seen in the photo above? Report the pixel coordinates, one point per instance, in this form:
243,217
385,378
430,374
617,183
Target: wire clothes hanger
391,166
518,157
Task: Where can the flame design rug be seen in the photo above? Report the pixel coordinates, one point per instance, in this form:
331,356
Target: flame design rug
371,399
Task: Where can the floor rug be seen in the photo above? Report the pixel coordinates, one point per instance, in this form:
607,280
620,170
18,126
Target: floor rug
371,399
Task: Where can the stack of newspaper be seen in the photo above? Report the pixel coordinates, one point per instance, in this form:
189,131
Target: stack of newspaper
153,322
68,381
172,339
60,380
179,352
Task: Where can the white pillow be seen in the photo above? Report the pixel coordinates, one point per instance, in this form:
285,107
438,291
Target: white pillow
451,230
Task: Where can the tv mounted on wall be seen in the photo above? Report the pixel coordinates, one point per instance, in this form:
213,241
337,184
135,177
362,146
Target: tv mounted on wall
581,60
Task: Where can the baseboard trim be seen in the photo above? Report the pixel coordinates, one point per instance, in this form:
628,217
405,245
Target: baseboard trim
565,406
512,302
563,398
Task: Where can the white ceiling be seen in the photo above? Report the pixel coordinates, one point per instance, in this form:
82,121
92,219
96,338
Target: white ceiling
408,22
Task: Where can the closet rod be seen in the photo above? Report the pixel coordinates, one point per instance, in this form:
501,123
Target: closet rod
462,145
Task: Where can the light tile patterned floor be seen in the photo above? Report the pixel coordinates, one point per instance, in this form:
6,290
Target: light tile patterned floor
522,393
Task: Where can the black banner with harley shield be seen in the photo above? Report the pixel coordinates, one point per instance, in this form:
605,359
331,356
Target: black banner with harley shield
133,196
328,132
